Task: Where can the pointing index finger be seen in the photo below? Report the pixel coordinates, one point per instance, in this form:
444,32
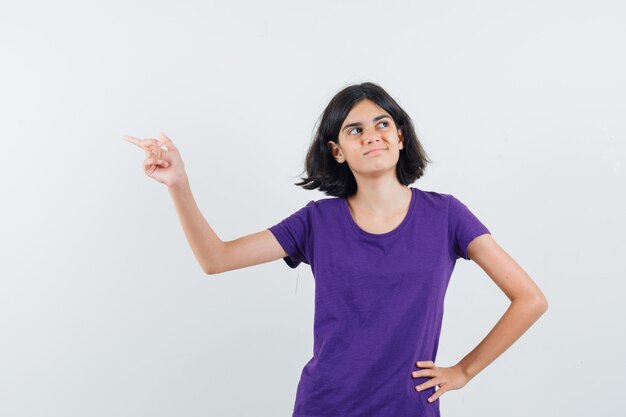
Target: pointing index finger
142,143
132,139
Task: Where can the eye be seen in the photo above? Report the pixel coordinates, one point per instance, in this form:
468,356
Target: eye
387,125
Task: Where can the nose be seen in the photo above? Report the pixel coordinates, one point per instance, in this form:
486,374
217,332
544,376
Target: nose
370,135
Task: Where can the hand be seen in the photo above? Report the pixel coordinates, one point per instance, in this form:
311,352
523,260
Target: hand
446,378
163,162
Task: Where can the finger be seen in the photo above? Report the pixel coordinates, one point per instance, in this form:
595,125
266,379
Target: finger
423,373
428,384
142,143
160,143
154,150
166,140
155,161
436,395
148,166
425,364
132,139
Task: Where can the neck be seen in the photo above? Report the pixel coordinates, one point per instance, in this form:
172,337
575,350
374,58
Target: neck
380,199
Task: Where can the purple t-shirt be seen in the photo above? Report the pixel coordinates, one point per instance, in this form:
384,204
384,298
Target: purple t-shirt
378,302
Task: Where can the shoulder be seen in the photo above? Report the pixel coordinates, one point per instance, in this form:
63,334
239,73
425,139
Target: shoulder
434,199
315,210
323,204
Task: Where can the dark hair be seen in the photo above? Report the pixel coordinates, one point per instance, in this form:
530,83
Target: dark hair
335,179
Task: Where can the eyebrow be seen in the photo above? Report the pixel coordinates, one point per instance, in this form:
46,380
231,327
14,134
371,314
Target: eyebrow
382,116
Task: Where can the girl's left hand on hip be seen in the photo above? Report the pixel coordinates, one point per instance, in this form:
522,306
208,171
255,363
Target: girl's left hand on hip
446,378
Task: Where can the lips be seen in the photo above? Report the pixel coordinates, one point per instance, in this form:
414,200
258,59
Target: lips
372,150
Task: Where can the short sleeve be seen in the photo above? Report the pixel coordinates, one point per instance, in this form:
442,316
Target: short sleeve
293,233
463,226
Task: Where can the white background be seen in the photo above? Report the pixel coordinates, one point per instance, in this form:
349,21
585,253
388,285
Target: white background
104,310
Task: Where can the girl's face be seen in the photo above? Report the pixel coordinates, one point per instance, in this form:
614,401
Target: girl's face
366,129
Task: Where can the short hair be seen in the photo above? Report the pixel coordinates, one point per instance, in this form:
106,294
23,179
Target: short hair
335,179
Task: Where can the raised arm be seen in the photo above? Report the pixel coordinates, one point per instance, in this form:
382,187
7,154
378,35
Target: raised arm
164,164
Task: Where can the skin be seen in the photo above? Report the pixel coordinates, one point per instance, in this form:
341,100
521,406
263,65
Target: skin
380,196
163,162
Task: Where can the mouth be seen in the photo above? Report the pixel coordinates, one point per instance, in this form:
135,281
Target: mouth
375,151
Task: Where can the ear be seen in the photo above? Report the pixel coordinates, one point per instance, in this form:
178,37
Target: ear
401,136
335,151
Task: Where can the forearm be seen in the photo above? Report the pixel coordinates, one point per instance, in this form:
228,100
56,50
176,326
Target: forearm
518,318
206,245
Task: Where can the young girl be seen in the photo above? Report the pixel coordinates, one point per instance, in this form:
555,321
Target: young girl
382,254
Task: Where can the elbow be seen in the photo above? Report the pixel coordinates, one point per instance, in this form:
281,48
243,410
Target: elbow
215,264
540,304
210,270
536,304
